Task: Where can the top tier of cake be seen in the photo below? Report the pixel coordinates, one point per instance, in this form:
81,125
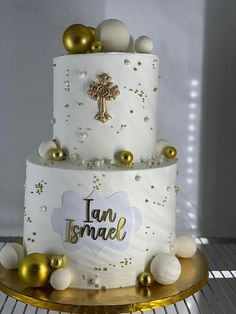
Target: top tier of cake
105,103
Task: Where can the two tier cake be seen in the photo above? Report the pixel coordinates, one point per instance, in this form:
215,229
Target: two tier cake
100,196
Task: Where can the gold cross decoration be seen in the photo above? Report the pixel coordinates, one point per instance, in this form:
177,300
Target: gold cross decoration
103,91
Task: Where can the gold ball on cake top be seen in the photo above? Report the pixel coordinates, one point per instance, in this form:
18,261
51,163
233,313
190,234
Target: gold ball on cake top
145,279
35,270
125,157
77,38
57,154
57,261
169,152
92,30
96,46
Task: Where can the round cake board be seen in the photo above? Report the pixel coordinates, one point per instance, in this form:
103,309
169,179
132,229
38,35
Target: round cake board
111,301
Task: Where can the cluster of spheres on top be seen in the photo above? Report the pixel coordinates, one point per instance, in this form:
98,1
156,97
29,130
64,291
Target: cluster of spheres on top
111,35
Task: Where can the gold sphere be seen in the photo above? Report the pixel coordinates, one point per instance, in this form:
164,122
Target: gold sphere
57,261
57,154
92,30
169,152
96,46
126,157
77,38
145,292
145,279
35,270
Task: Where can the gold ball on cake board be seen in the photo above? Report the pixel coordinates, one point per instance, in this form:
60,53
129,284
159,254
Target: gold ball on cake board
57,261
57,154
35,270
126,157
77,38
145,279
96,46
169,152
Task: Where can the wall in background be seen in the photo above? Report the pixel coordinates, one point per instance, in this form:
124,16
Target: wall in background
30,36
217,211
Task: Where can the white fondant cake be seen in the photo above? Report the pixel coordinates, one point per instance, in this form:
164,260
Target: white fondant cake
143,204
109,219
132,125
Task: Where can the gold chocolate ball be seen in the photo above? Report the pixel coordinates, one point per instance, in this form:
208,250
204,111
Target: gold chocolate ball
35,270
57,261
57,154
96,46
92,30
77,38
145,292
126,157
169,152
145,279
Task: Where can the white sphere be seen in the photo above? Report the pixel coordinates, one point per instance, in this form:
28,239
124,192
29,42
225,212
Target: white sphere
159,146
143,44
45,147
130,47
60,279
113,34
20,251
9,257
74,156
165,268
185,246
97,163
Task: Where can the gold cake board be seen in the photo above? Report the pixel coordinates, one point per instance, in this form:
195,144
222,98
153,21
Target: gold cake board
112,301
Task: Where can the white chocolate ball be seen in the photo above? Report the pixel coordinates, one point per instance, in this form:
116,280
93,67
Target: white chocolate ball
9,257
60,279
113,34
74,156
165,268
45,148
159,146
130,47
185,246
20,251
143,44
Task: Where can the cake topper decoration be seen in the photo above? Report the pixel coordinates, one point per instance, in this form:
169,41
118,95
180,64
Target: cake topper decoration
103,91
110,35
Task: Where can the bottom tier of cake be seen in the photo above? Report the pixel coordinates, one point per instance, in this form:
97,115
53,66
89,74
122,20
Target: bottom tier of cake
109,222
